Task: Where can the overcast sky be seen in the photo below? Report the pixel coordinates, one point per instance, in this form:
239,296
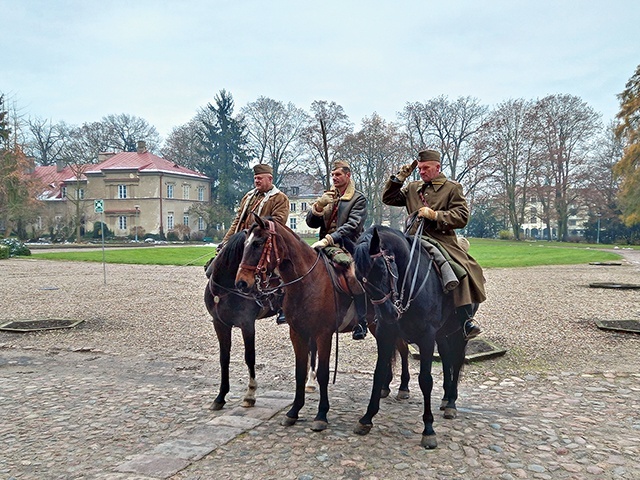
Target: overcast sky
79,60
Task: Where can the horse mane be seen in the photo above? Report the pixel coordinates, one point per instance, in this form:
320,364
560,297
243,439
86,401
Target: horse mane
390,237
226,263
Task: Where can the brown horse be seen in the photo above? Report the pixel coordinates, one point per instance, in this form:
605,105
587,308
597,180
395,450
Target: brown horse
271,247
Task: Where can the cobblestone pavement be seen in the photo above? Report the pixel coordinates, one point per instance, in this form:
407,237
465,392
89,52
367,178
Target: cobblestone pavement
88,405
90,415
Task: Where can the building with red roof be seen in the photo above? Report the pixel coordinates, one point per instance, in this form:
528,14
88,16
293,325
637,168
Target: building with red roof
135,192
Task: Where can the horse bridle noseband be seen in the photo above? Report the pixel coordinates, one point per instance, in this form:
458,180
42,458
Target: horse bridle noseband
393,295
265,268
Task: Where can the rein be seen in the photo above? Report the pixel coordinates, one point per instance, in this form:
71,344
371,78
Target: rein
393,295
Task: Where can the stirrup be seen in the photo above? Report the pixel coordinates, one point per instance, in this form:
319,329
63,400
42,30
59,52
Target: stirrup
359,332
470,329
280,319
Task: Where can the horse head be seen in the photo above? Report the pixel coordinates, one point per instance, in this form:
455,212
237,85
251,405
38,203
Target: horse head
377,269
261,255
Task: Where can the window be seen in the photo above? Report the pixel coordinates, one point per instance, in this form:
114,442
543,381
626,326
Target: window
304,207
80,194
170,221
185,220
201,194
186,190
122,191
63,192
200,223
295,191
169,191
292,223
122,222
534,219
292,207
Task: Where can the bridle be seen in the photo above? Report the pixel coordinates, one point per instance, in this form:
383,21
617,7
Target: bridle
392,295
270,260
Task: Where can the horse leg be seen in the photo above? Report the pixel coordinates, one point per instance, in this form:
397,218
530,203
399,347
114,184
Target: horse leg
403,350
425,380
223,332
321,423
249,337
386,348
311,377
452,352
301,350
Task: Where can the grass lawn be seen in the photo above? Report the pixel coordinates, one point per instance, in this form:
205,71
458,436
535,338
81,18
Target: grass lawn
489,253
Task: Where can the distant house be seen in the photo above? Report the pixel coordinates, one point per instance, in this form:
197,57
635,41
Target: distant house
139,191
302,189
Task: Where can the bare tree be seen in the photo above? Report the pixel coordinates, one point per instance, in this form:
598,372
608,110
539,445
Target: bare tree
274,133
508,135
124,132
449,127
45,141
324,134
182,144
375,151
564,127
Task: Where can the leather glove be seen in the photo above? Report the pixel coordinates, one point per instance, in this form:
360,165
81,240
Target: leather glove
427,213
326,198
405,171
325,242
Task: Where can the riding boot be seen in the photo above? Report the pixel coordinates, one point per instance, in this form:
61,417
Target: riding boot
280,320
360,330
465,315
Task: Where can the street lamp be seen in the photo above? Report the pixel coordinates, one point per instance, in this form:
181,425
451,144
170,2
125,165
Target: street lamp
135,220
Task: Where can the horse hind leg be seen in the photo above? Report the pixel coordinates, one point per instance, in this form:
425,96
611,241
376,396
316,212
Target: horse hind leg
223,332
403,390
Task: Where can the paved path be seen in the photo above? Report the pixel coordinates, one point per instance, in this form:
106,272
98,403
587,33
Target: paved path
87,414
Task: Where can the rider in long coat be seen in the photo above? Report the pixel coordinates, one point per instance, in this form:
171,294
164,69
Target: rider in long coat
442,204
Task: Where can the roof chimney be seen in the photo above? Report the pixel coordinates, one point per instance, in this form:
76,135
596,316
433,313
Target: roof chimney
60,164
142,146
102,156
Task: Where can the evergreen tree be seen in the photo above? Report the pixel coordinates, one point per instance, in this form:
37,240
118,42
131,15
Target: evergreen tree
224,147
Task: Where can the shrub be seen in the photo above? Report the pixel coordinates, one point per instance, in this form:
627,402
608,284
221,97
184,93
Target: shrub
197,236
505,235
4,252
172,236
16,247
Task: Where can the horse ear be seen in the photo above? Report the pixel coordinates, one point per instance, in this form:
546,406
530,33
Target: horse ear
259,220
374,246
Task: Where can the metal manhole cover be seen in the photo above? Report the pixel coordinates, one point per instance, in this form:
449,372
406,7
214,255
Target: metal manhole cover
39,325
621,286
477,349
619,325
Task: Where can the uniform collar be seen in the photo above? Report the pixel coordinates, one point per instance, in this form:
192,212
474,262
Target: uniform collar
437,182
349,192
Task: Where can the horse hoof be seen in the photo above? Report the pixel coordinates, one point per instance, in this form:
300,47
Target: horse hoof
384,393
450,413
361,429
429,441
288,421
402,395
215,406
443,404
319,425
248,402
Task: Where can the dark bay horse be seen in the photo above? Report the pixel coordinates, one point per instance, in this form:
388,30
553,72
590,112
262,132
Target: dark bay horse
420,313
313,307
230,308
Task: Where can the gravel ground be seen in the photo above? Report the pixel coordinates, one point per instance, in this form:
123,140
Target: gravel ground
543,316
